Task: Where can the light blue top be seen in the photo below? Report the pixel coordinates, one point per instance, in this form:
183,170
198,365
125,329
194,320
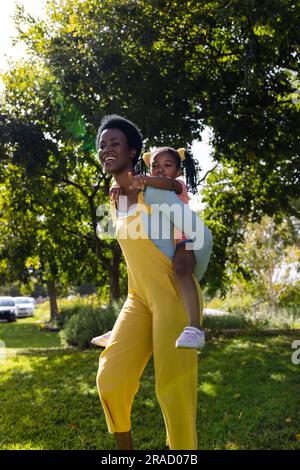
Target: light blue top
187,221
169,211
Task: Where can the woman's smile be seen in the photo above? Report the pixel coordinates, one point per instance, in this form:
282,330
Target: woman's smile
109,159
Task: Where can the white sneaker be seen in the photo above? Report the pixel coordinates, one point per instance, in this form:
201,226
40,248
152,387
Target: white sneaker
101,340
192,338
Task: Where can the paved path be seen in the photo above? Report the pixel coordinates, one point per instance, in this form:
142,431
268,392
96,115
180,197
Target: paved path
213,311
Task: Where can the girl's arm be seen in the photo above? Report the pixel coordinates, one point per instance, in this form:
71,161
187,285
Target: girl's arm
158,182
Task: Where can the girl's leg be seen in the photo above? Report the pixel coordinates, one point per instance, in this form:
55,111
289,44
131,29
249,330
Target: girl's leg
183,265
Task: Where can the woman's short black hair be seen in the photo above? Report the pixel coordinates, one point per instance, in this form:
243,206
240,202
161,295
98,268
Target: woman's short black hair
133,134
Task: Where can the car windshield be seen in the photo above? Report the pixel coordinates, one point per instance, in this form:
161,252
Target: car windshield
21,300
6,303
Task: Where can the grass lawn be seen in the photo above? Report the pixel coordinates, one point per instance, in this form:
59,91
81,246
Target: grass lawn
249,395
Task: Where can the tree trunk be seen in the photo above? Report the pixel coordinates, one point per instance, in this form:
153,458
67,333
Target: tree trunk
114,274
53,300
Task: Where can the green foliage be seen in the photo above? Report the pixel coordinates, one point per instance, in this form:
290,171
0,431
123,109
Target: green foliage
172,67
254,251
215,323
67,312
75,305
266,248
85,322
266,318
290,296
234,301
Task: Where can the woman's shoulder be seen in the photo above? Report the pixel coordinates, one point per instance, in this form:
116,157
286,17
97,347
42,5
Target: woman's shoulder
150,194
157,196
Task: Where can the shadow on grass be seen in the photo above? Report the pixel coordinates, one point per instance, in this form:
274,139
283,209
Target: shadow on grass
248,399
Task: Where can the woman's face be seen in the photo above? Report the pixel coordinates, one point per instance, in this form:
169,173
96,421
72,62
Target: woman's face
164,164
114,154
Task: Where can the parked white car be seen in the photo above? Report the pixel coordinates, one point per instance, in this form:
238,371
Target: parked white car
8,309
25,306
32,300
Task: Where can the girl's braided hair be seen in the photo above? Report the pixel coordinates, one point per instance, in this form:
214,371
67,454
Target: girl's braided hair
189,167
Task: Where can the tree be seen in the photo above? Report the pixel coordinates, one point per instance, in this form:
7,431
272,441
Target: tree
172,67
64,190
265,255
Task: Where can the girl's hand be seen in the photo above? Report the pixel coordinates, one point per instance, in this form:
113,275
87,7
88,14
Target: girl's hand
137,181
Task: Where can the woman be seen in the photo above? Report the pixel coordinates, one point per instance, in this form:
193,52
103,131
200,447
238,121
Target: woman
153,314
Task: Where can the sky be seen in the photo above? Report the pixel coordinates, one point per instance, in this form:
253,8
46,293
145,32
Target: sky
7,29
201,150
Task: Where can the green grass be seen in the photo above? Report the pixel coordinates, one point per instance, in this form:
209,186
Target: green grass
249,394
27,335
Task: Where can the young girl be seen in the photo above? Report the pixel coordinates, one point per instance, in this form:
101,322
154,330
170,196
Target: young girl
165,168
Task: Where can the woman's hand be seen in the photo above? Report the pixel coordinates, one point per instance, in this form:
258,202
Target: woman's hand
115,192
137,181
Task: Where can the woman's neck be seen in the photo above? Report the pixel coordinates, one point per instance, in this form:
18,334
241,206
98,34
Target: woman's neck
131,196
124,182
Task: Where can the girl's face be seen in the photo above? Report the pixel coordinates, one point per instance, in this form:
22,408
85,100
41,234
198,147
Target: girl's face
114,153
164,164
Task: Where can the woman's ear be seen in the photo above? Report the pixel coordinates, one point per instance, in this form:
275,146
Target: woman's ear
178,173
132,153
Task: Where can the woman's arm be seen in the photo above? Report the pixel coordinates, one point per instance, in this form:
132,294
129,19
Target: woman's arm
158,182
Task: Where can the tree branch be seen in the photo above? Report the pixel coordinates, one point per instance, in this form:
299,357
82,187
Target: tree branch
76,185
209,171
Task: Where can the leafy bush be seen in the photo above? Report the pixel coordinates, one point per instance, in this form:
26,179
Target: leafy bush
85,322
290,296
283,318
76,304
280,318
67,312
227,322
233,303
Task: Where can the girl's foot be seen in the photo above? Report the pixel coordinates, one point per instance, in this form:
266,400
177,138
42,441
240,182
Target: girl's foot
191,338
101,340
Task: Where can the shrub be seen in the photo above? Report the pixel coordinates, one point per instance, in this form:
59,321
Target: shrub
86,322
229,321
290,296
67,312
76,304
265,317
233,303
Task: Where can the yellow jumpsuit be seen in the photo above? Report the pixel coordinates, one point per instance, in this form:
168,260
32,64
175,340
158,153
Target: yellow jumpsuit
150,321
